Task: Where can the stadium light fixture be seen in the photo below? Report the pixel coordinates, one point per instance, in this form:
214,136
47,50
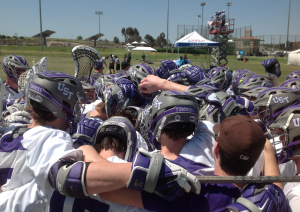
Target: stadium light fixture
199,16
228,4
99,13
41,27
167,29
202,5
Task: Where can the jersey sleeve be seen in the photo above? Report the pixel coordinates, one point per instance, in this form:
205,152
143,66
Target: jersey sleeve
48,147
200,149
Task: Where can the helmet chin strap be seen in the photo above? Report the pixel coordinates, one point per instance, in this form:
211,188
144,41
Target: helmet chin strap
162,124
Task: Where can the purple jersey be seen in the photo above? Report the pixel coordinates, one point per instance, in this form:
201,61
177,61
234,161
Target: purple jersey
213,197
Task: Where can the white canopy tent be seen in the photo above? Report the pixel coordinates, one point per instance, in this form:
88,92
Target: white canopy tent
144,48
128,44
294,58
194,40
134,43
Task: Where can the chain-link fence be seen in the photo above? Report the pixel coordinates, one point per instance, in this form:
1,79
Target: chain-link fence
243,42
273,43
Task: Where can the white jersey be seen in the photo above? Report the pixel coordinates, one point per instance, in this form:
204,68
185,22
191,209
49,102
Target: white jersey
24,166
292,195
229,91
198,152
95,202
91,107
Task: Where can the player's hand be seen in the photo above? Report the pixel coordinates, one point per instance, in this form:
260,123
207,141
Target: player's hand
86,130
272,67
152,173
21,117
244,103
151,84
165,68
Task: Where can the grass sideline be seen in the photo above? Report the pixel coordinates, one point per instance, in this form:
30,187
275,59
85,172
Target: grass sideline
59,59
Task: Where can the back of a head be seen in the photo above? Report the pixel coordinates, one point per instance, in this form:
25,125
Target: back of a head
175,113
118,134
241,141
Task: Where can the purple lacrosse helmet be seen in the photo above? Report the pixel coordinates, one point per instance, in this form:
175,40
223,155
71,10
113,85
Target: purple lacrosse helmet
13,66
253,82
264,198
98,65
222,77
285,129
293,75
58,93
137,73
239,78
114,99
273,100
173,110
291,83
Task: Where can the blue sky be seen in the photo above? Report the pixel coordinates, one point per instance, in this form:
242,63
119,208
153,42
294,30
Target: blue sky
70,18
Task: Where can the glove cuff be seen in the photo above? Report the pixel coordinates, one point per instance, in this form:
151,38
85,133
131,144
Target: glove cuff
144,176
82,137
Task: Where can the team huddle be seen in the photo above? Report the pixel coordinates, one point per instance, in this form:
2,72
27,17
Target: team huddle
137,140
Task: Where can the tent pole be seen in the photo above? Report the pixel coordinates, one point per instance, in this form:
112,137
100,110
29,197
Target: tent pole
178,52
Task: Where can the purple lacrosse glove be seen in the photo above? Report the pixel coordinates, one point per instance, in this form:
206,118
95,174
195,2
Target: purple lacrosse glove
165,68
195,74
152,173
126,86
244,103
85,132
260,197
272,67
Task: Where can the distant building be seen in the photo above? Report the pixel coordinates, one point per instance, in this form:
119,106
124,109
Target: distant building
248,43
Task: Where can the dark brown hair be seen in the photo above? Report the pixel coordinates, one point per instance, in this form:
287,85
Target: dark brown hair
175,133
127,114
110,143
232,166
39,113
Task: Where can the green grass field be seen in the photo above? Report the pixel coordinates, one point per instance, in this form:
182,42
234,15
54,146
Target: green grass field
59,59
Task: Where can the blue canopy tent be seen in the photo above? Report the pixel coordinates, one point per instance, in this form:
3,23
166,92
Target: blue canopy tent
194,40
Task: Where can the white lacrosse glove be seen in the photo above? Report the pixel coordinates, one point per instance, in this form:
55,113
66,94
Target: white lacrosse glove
21,117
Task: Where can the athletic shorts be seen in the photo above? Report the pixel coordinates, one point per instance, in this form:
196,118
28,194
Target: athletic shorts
111,66
117,66
223,23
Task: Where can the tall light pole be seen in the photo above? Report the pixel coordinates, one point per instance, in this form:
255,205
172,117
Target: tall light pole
41,27
16,37
199,16
287,36
228,4
99,13
168,28
202,5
